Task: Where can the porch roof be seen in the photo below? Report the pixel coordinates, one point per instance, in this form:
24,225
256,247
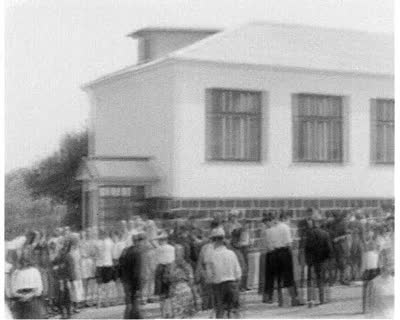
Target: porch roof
117,169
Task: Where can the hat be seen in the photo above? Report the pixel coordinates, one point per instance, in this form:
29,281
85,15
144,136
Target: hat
138,236
217,233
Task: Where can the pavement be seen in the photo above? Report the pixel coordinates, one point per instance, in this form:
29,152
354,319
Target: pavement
345,303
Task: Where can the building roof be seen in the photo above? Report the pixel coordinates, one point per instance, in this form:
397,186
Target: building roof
297,46
288,46
141,32
117,169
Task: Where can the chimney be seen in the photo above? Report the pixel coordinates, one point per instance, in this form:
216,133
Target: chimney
154,43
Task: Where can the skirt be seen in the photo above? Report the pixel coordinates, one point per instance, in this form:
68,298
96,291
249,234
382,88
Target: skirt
45,281
88,268
162,280
183,301
104,274
33,309
77,292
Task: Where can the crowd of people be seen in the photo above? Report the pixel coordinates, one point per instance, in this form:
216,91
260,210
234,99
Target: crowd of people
339,247
187,269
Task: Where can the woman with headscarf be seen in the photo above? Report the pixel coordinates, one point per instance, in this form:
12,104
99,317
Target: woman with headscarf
370,266
149,257
27,289
53,283
77,294
42,262
182,291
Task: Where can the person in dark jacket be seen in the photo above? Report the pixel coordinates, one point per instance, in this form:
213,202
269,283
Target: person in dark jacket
318,250
63,271
302,229
130,263
341,247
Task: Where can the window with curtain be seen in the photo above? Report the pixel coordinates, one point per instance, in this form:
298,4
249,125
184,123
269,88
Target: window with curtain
233,125
317,128
382,130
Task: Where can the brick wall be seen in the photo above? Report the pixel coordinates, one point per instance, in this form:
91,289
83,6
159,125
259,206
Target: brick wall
167,211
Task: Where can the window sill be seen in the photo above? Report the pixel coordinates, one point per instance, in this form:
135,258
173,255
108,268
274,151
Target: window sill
383,164
233,162
319,163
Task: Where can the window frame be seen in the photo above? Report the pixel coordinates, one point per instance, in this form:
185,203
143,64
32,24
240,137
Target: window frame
209,114
373,105
295,128
124,201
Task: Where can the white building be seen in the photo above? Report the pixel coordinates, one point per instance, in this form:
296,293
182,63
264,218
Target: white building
263,115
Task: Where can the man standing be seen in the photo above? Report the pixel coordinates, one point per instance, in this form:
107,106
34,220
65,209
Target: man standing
232,223
203,275
245,244
281,241
226,274
317,252
131,270
341,245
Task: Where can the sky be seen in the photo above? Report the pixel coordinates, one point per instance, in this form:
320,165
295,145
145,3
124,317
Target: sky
53,47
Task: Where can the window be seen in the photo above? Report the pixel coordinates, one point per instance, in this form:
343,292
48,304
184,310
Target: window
116,201
317,128
233,125
382,131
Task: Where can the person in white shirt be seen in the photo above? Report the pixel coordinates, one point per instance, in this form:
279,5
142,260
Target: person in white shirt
165,255
27,288
104,267
119,246
225,275
281,241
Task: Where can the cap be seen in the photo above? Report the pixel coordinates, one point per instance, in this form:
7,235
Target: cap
217,232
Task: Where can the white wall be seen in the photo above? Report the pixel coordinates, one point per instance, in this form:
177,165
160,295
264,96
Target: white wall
276,175
133,117
163,43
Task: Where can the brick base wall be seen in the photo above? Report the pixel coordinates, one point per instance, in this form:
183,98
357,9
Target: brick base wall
166,211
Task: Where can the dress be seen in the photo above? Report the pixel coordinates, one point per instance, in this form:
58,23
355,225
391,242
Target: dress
25,281
181,291
380,298
77,292
149,260
88,267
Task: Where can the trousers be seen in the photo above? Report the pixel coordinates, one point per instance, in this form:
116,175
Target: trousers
226,297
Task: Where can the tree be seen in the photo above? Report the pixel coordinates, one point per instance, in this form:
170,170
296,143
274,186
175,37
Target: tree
54,176
21,210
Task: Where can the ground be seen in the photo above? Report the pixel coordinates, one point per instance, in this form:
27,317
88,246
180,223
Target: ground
345,303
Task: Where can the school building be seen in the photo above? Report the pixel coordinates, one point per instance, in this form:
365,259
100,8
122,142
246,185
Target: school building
255,117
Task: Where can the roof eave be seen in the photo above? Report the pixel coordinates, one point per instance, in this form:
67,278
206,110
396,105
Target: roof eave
284,67
122,73
141,32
